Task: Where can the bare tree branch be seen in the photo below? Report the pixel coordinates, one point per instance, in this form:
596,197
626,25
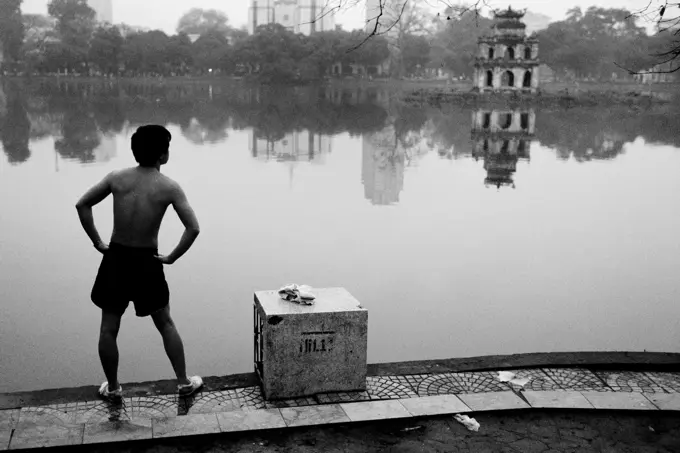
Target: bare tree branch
383,5
326,10
375,28
655,13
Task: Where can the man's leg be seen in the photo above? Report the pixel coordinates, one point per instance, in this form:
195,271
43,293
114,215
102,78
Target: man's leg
172,342
108,348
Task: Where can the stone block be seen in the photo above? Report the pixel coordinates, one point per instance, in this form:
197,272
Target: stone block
304,350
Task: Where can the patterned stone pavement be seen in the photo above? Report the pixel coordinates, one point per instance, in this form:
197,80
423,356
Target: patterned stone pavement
385,397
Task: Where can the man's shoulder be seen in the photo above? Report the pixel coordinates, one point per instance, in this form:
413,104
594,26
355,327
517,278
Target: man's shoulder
120,173
170,187
168,182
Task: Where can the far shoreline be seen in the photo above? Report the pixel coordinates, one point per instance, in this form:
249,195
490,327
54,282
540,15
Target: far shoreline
421,93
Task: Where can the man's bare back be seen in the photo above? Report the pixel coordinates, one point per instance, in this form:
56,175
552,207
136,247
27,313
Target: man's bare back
141,195
140,198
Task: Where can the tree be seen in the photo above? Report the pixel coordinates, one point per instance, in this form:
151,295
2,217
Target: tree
75,25
273,53
574,15
366,50
37,26
210,51
39,33
667,18
238,34
327,47
415,53
180,54
595,43
410,19
105,49
11,28
454,45
147,53
567,51
200,21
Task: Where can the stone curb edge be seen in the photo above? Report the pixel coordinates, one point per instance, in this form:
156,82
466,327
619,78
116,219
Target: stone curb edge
355,412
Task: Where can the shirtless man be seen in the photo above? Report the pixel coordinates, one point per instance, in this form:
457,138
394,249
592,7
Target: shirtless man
131,269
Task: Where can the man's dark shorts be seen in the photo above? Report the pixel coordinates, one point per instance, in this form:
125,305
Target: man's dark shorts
130,274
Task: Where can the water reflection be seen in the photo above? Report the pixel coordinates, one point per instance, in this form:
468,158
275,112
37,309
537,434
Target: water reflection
80,116
15,129
84,120
107,149
388,152
382,167
295,146
80,135
501,138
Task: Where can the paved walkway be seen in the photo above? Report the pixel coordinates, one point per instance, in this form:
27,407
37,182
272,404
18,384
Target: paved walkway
386,397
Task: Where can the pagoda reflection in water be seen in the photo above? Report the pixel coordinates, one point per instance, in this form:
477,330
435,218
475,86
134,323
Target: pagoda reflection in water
502,138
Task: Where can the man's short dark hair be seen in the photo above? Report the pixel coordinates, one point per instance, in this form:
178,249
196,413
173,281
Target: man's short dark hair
149,143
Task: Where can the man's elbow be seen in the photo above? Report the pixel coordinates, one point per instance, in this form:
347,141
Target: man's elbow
81,205
194,230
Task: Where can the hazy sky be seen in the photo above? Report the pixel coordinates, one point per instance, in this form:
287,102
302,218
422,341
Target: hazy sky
164,14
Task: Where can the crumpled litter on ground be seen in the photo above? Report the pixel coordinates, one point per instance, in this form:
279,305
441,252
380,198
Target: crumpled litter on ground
300,294
469,423
411,428
505,376
508,376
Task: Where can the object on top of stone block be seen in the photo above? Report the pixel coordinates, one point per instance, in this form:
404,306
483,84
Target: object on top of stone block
300,294
328,300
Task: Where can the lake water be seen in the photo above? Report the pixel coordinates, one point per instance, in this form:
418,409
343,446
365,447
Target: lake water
464,232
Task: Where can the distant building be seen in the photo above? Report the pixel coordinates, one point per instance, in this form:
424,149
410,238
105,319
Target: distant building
126,30
260,12
315,16
354,96
299,16
103,8
660,73
508,59
502,138
287,14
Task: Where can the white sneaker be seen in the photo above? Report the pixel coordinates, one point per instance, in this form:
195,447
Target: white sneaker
189,389
104,392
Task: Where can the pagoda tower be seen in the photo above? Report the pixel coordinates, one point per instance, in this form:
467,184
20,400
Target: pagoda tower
507,60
